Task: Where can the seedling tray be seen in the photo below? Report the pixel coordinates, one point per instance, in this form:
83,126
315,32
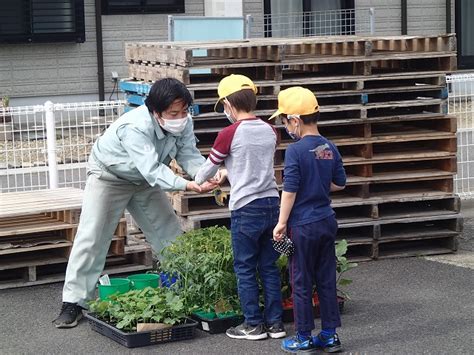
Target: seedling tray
133,340
217,325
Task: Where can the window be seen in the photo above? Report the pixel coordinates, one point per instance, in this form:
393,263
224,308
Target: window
111,7
24,21
465,33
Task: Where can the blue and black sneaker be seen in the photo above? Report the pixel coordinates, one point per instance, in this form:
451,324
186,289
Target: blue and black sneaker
298,344
328,344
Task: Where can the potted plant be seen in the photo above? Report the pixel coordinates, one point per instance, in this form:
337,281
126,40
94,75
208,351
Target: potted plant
202,263
342,266
142,317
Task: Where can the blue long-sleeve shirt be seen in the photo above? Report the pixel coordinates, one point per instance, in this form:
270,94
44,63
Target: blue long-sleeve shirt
136,149
311,164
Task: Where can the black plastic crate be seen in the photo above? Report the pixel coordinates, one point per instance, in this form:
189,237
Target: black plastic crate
217,325
133,340
288,312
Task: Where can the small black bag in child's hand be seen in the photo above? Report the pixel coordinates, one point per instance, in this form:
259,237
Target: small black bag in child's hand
284,246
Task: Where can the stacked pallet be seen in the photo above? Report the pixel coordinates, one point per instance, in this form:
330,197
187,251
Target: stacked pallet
37,231
383,102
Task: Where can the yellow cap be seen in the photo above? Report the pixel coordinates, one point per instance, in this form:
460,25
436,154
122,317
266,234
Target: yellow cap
296,100
231,84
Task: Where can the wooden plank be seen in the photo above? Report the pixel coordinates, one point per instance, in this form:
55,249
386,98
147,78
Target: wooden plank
39,227
61,244
34,202
397,249
24,262
152,54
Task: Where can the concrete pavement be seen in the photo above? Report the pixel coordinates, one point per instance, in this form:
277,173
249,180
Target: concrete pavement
410,306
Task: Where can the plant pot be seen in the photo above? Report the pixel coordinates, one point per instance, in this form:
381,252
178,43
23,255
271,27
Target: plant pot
288,316
219,324
184,331
141,281
117,286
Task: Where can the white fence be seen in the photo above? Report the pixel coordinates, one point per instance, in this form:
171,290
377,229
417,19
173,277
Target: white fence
460,104
48,145
320,23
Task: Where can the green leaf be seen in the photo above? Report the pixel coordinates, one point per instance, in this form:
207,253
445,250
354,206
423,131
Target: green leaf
341,248
344,282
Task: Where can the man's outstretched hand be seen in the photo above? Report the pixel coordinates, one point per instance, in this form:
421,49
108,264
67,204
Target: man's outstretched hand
208,186
193,186
203,188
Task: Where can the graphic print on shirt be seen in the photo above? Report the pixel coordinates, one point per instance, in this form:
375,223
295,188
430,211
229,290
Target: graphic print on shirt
323,152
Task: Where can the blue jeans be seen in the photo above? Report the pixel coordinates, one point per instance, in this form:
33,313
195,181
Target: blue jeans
252,228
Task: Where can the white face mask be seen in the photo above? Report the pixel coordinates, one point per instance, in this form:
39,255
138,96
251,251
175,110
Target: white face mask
229,117
175,126
227,114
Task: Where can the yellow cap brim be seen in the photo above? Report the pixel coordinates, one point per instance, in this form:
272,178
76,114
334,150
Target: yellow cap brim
277,113
219,107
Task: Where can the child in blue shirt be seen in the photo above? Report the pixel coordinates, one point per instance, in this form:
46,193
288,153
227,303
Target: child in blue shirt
313,168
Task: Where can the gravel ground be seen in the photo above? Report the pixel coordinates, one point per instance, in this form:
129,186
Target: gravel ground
28,153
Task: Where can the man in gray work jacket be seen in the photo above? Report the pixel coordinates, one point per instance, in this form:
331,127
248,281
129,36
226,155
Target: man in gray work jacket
128,169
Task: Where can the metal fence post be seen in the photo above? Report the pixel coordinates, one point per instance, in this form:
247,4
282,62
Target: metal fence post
51,145
248,26
170,28
372,20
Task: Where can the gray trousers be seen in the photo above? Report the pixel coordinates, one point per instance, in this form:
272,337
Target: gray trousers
105,199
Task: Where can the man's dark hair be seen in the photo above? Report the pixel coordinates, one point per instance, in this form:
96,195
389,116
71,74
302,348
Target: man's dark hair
308,119
243,100
164,92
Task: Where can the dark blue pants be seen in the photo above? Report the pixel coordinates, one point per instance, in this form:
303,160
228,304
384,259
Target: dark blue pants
252,227
314,261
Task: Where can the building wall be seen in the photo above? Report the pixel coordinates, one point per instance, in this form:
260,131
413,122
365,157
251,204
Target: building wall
255,8
425,17
61,69
46,70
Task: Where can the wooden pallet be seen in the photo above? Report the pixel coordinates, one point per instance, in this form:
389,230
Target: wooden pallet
44,269
410,226
330,101
327,85
51,230
398,171
309,68
415,247
32,202
361,143
372,226
347,113
37,231
377,250
194,54
327,100
356,132
392,207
